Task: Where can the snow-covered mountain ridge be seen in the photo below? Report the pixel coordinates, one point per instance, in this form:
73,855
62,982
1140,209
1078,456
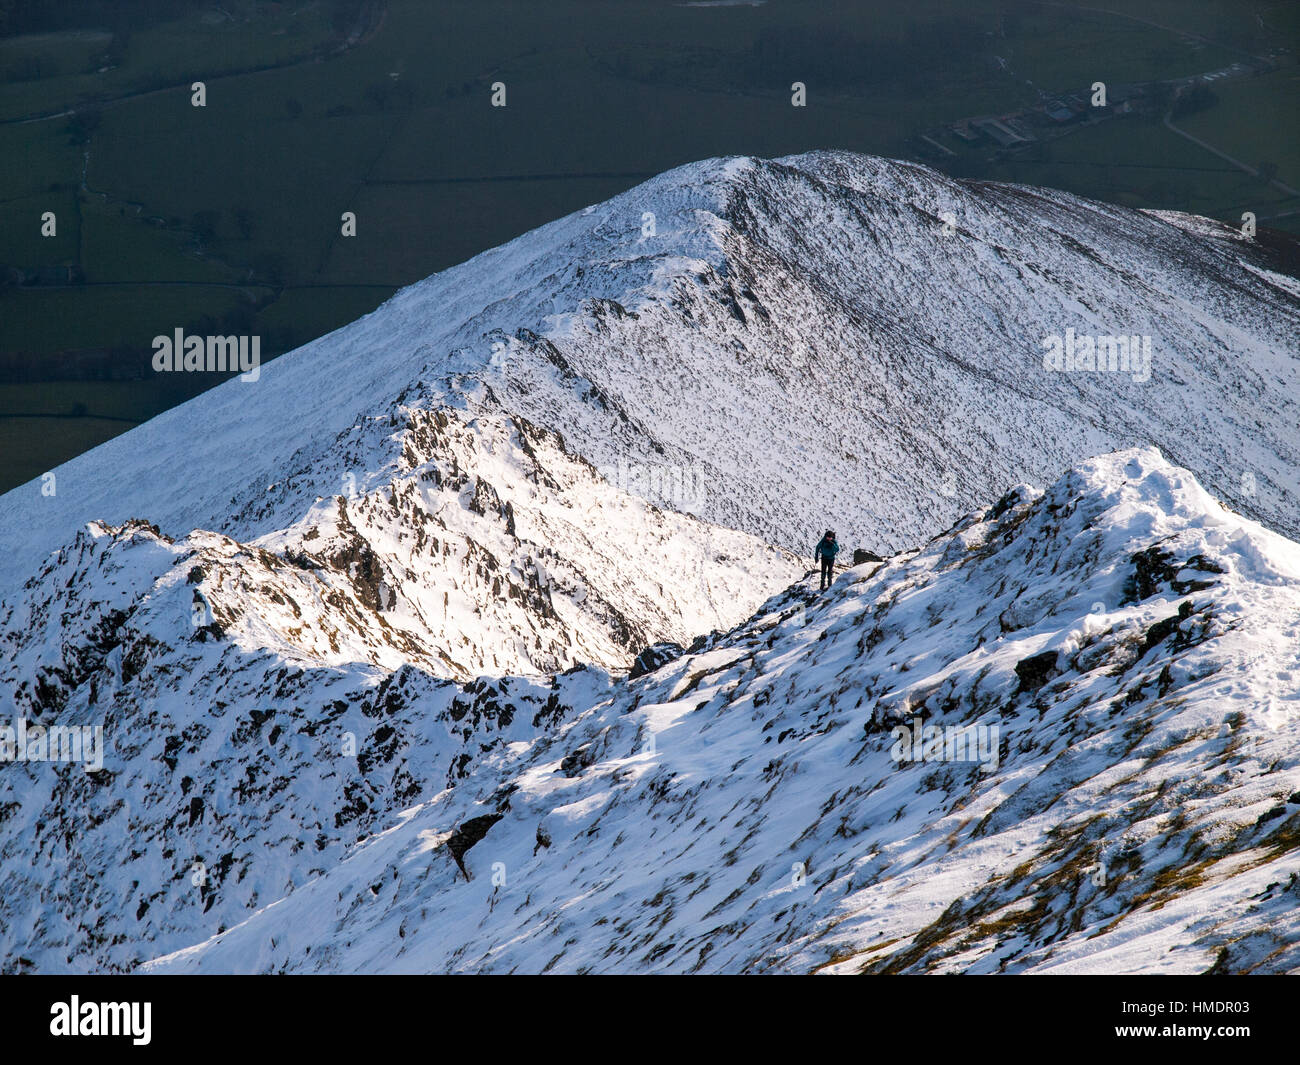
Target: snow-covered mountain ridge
354,611
830,339
1129,646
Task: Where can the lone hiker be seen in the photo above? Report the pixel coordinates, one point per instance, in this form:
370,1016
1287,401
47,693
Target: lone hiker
826,551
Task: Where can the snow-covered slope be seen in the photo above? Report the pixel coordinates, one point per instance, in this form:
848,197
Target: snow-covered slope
1121,654
274,701
424,551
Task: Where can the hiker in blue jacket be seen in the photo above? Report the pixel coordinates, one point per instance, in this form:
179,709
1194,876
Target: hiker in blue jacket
826,551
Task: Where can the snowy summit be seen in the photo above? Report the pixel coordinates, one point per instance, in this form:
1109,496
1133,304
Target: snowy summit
478,635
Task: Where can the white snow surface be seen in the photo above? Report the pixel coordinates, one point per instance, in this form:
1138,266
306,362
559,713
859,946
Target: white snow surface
740,809
368,620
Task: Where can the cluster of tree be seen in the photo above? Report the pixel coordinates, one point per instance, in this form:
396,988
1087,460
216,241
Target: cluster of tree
208,226
82,123
1200,97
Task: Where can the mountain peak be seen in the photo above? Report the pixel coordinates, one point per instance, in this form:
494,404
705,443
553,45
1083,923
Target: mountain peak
512,570
761,320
